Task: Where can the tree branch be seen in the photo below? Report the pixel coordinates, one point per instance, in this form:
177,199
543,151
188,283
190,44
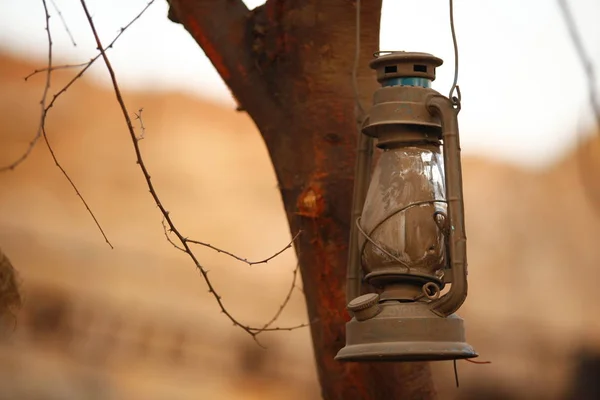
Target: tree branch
48,69
245,260
296,86
168,221
46,107
43,107
584,58
64,22
223,29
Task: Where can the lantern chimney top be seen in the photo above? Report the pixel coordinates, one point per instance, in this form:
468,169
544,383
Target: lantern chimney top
403,68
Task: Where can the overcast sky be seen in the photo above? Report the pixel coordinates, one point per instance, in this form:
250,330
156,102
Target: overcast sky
524,91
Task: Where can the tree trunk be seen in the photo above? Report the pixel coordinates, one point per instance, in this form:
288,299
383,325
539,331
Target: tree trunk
289,63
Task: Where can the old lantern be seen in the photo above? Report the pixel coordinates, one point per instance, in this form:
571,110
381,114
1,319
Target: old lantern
409,241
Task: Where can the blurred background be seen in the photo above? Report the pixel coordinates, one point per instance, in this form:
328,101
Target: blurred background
136,321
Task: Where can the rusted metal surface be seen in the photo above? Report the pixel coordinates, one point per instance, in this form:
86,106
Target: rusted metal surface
406,332
412,225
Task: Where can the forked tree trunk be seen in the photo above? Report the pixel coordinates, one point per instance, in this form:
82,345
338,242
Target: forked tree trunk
288,63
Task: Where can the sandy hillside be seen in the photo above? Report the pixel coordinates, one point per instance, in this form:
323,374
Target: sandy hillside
137,322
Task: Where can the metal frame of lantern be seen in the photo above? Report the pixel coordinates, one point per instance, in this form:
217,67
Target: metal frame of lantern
408,235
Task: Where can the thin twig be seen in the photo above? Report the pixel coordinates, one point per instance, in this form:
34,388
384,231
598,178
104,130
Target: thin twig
245,260
38,134
66,175
584,58
57,67
588,66
255,331
42,131
286,300
42,127
93,60
49,68
169,222
138,116
46,108
64,23
166,231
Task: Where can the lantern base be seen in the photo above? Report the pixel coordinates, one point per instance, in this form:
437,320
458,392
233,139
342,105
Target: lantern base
406,332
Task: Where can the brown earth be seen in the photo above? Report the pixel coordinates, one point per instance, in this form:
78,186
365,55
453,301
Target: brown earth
137,322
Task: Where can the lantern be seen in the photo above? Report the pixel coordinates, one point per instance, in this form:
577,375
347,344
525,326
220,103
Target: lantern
409,238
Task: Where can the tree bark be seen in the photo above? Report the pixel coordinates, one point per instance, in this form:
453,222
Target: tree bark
289,64
10,294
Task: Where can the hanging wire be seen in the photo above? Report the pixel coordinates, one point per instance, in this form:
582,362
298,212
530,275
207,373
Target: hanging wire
456,100
455,88
360,108
364,154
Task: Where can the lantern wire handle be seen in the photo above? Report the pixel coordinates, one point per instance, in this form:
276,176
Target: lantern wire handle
455,99
360,109
390,215
380,247
444,108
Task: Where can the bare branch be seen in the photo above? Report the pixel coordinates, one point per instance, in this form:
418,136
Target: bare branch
583,159
285,301
225,31
584,58
54,68
166,231
62,19
255,331
167,218
37,136
245,260
49,68
42,130
45,108
66,175
138,116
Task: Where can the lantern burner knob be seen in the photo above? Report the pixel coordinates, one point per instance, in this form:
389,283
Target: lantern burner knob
365,307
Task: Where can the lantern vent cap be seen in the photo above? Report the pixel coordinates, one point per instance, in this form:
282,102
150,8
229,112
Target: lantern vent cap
404,64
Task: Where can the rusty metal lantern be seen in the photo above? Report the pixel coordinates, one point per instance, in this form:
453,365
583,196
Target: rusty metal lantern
408,238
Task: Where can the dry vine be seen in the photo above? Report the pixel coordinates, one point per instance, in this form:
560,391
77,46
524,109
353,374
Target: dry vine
167,220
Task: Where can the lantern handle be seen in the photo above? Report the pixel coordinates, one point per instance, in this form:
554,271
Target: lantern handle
443,108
